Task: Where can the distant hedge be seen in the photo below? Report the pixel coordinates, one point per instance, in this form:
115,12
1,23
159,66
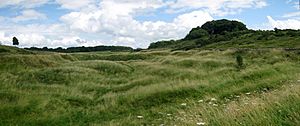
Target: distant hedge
83,49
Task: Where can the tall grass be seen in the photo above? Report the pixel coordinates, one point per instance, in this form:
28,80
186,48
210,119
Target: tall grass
114,88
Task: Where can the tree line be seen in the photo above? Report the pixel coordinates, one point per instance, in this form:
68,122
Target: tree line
83,49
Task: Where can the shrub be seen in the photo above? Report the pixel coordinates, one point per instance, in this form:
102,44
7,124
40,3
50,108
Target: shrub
196,33
15,41
239,61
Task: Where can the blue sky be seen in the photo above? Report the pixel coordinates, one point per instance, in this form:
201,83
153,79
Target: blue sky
65,23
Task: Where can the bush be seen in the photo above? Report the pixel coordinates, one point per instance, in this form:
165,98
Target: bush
196,33
239,61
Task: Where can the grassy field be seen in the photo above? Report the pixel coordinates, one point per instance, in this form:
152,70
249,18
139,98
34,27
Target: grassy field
154,87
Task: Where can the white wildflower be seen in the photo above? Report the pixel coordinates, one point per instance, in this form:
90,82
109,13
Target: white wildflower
140,117
201,123
200,101
213,99
183,104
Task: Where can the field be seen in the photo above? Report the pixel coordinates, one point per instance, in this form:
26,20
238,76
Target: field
152,87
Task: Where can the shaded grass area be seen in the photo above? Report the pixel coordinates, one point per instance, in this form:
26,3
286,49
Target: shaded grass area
114,88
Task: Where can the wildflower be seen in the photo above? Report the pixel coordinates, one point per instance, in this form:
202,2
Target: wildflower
248,93
201,123
169,114
213,99
140,117
226,99
183,104
200,101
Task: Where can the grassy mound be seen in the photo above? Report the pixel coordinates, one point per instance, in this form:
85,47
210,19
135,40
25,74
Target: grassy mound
151,87
12,50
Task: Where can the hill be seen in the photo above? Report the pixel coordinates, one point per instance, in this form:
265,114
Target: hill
232,34
12,50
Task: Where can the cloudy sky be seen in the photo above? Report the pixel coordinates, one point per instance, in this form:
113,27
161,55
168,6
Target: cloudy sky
135,23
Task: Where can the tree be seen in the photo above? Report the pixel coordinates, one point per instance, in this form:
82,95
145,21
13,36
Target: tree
220,26
15,41
196,33
239,61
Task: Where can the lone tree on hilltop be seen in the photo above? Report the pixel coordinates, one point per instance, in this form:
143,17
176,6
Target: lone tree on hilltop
15,41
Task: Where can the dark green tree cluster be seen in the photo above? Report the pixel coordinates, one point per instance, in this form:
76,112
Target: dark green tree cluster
222,26
162,44
196,33
84,49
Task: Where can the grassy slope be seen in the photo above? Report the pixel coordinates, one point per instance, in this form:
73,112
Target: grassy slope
249,40
114,88
279,42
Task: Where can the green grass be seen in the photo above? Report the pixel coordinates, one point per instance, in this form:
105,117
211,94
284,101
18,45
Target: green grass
250,42
114,88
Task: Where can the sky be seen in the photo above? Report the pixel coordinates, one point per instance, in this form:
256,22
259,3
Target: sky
134,23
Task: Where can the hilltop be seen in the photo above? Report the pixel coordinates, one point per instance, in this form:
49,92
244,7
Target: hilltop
224,34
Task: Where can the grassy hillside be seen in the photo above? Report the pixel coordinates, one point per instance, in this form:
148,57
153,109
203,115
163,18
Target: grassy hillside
225,34
12,50
192,87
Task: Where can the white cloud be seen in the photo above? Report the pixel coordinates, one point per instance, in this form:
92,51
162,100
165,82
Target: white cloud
293,14
126,7
24,39
128,31
23,3
284,24
216,7
30,14
294,3
3,38
40,40
113,22
195,18
125,30
75,4
54,35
